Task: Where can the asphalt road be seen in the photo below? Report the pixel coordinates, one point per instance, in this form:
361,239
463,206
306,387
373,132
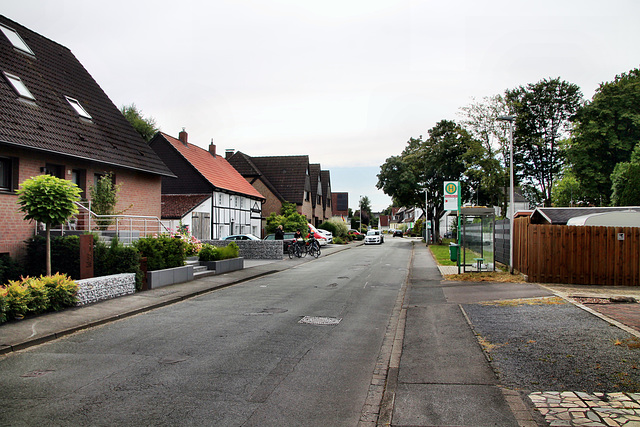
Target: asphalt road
236,356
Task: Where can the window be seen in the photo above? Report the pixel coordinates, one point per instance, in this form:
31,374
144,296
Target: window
19,86
79,178
54,170
76,106
15,39
8,173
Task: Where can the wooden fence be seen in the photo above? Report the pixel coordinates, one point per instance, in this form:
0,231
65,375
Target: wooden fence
577,254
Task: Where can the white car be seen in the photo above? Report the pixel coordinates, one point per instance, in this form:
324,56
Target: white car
327,234
373,237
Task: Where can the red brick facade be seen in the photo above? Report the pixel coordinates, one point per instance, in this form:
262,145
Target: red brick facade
140,193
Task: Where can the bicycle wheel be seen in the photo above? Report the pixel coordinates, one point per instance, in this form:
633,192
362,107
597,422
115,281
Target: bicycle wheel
304,250
316,252
292,250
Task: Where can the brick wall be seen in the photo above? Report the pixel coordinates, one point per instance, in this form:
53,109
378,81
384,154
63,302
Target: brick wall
140,191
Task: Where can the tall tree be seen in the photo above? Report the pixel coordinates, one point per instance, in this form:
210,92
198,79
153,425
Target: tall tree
492,177
49,200
605,133
543,111
446,155
626,181
145,126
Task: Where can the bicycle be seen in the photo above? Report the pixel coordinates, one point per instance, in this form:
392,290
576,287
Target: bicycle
300,248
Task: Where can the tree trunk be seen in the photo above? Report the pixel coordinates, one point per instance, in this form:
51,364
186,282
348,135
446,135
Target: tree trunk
48,250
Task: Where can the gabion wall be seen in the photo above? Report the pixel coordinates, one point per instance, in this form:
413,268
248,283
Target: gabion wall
254,249
105,287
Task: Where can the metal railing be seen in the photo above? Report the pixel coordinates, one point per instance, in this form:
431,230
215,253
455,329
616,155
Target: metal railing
126,227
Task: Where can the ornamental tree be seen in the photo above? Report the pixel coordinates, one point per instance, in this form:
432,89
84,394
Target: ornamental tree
49,200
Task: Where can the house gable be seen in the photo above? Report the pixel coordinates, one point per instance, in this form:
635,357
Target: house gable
51,122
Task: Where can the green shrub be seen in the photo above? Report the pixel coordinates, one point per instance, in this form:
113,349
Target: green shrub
115,259
339,241
3,304
61,290
9,269
65,256
162,251
215,253
38,301
209,253
17,297
230,251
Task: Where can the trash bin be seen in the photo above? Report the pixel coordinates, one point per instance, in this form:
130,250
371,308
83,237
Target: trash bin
453,251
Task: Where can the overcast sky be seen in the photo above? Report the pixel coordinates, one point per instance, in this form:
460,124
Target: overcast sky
346,82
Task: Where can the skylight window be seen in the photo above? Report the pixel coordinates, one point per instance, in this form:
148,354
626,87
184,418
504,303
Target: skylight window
19,86
15,39
76,106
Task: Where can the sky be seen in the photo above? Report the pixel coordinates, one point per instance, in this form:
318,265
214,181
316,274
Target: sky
347,82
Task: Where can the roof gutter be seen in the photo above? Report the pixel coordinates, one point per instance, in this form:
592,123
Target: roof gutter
60,153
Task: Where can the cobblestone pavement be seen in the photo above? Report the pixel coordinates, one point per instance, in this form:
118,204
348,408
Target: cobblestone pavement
588,409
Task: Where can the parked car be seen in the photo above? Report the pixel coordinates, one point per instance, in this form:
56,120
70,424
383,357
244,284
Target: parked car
322,240
241,237
374,237
397,233
327,234
288,239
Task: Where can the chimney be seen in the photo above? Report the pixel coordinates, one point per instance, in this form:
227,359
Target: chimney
182,136
212,148
228,153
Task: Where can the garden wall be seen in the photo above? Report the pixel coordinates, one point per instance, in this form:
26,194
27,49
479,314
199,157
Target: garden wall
253,249
105,287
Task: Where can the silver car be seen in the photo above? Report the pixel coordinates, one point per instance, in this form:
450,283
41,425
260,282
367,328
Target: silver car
373,237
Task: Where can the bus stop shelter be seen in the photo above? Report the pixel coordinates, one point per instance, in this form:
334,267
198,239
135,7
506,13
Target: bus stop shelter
477,239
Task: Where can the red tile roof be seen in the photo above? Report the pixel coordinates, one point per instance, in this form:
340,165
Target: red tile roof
214,168
176,206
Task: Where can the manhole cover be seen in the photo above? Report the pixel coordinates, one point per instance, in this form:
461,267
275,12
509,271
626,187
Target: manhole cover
322,321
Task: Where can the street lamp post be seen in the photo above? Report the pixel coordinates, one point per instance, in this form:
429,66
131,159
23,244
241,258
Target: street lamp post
510,120
360,209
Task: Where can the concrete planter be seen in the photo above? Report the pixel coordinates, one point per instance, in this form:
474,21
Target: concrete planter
169,276
225,265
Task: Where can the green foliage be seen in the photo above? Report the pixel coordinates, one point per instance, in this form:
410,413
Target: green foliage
146,127
542,111
567,192
61,291
32,295
115,259
48,199
38,296
289,218
65,255
104,197
625,181
162,251
17,299
215,253
208,253
339,240
606,130
9,269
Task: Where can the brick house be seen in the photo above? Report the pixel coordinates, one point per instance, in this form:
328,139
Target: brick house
209,195
56,119
282,179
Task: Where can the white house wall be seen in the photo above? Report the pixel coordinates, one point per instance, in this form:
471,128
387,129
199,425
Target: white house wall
232,215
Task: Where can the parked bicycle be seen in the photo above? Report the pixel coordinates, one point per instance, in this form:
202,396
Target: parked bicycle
300,248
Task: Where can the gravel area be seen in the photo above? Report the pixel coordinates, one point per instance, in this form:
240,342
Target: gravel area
556,347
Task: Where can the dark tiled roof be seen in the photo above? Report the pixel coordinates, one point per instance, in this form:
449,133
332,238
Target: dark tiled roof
215,169
176,206
560,216
286,174
50,124
314,175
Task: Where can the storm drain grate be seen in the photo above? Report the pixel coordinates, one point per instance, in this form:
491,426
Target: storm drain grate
321,321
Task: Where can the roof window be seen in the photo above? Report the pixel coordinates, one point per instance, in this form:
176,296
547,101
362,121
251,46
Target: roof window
19,86
76,106
15,39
